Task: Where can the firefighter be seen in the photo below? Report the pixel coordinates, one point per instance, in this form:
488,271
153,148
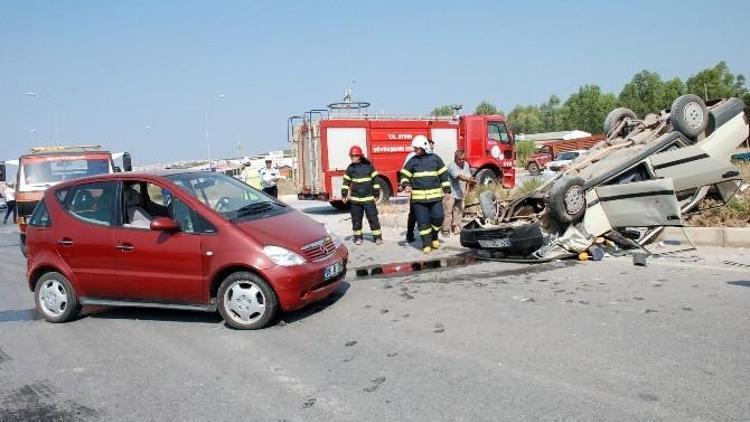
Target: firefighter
426,177
360,189
250,175
411,221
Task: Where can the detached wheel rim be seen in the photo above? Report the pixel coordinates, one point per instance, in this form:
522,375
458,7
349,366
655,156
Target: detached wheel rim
53,298
693,115
244,302
574,201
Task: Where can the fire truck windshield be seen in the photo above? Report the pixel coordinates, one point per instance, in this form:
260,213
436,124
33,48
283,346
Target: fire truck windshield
58,170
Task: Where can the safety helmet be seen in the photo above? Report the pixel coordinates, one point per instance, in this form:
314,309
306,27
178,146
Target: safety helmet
246,161
355,150
420,141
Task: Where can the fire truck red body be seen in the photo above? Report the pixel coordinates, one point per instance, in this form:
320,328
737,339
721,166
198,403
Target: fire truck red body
321,144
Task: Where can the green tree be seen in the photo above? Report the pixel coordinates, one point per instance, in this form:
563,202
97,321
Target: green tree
486,108
587,108
445,110
526,119
717,82
647,93
551,114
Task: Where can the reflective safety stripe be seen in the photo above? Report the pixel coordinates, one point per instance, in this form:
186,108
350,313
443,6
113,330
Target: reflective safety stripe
436,228
363,199
447,183
357,232
442,170
404,181
426,174
362,180
425,231
406,172
345,187
346,176
426,193
376,232
376,186
374,173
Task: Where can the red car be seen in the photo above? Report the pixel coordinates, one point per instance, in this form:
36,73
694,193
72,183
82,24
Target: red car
187,240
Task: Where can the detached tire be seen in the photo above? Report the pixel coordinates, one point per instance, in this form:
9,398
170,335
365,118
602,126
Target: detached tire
486,177
56,301
615,117
533,169
340,205
567,200
246,301
689,115
385,190
488,204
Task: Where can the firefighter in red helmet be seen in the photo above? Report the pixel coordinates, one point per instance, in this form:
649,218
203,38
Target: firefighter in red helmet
361,189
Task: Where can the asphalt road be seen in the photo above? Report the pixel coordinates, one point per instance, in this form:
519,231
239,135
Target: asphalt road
481,342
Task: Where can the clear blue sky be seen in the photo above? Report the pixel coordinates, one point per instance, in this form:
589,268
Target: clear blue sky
138,75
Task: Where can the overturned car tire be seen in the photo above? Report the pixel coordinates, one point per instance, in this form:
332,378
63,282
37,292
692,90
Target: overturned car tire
689,115
566,201
488,204
614,118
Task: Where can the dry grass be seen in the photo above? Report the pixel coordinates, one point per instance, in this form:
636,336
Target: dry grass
736,213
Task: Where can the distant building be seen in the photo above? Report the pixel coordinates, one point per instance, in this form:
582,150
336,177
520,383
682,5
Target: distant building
552,136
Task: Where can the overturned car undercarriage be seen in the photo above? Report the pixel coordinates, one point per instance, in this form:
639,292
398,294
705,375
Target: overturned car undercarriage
646,175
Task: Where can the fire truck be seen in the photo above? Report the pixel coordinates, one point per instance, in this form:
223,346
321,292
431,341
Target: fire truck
47,166
321,139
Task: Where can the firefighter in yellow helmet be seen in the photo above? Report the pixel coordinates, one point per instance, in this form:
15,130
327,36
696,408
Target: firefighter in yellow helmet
426,176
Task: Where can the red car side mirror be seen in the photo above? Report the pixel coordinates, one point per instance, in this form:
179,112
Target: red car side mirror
164,224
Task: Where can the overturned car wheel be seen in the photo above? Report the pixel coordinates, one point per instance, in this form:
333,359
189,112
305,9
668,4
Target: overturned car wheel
689,115
615,117
488,204
567,199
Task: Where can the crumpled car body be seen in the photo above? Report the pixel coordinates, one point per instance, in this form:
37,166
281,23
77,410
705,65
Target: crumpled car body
646,175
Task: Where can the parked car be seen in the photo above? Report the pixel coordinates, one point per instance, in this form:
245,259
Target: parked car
646,175
563,159
180,240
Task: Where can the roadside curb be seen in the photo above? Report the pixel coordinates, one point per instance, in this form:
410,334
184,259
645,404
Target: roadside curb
734,237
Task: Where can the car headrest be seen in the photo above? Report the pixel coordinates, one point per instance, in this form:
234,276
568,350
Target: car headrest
132,197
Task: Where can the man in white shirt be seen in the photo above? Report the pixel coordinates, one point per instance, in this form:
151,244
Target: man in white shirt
270,176
10,200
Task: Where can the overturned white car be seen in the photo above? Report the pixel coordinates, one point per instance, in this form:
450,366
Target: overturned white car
646,175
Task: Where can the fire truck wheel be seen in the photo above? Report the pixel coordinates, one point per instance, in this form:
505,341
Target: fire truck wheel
486,177
689,115
567,199
533,168
340,205
385,190
488,204
614,118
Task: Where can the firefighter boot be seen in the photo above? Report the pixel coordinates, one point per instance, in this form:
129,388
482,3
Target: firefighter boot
427,249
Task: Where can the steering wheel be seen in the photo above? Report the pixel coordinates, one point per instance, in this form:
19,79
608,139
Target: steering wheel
222,203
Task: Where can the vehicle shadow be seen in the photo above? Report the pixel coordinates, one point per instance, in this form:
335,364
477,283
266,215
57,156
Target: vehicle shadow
18,315
150,314
324,210
313,308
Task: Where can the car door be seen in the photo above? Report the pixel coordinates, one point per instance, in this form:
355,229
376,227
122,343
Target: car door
693,167
83,237
647,203
157,266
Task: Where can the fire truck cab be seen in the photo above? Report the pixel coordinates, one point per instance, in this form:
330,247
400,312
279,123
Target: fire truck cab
321,140
47,166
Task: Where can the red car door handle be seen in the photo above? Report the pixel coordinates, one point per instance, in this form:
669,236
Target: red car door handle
125,247
65,241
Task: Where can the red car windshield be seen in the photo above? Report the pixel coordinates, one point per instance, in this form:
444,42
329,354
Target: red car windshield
229,197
